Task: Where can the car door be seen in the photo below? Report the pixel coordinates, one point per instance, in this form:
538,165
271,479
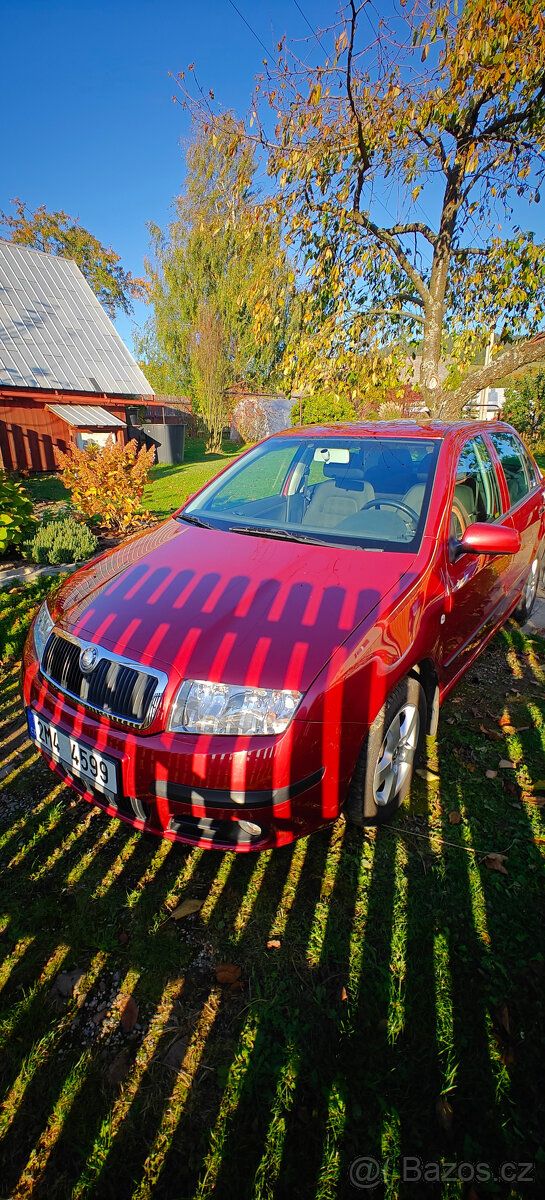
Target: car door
474,590
525,501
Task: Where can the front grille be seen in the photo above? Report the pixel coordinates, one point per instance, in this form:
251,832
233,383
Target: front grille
115,687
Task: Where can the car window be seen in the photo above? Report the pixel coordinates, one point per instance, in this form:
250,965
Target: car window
531,469
509,451
476,491
349,490
254,480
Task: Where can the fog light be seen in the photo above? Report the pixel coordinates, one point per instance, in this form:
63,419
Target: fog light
249,828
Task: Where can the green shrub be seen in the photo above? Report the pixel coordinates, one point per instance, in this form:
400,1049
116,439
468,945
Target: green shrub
17,521
17,608
63,541
324,409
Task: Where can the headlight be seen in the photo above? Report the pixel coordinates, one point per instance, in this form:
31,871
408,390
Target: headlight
203,707
42,628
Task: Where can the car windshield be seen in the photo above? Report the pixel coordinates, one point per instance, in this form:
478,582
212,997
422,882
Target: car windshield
369,492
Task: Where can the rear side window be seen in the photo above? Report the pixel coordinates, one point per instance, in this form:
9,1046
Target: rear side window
531,469
476,492
510,454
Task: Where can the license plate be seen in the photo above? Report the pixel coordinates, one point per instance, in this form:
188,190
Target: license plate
86,763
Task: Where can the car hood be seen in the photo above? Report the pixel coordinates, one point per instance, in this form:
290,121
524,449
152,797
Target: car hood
210,604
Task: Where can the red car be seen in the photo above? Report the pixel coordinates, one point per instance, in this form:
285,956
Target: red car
276,651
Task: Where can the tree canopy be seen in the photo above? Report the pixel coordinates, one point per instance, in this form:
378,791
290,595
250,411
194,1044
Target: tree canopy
400,163
57,233
210,267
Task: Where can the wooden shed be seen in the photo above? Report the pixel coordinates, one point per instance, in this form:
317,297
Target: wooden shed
66,376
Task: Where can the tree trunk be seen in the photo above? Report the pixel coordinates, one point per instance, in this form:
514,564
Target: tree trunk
213,439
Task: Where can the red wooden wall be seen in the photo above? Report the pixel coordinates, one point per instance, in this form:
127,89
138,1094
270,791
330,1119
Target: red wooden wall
30,434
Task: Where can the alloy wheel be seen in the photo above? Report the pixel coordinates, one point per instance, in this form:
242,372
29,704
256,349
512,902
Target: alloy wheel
396,757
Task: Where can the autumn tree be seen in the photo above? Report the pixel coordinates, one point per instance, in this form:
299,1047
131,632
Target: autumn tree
208,270
57,233
437,113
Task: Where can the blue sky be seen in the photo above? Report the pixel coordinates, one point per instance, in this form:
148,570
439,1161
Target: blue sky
89,124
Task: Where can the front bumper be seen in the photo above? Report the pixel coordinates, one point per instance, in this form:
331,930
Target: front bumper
236,793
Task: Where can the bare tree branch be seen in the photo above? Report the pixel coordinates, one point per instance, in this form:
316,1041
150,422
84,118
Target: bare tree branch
503,364
365,161
383,235
414,227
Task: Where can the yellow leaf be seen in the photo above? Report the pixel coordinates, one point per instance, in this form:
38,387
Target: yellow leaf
186,908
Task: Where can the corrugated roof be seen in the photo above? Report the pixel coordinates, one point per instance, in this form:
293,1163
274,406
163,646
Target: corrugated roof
54,333
85,416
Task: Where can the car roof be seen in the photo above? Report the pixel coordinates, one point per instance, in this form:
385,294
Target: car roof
422,428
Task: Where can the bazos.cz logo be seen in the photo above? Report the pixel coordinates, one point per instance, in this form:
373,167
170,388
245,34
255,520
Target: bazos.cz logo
366,1173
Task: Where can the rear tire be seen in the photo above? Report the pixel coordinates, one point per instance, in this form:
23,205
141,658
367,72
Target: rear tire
384,769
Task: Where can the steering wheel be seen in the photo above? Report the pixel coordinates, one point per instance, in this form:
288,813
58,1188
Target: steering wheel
404,508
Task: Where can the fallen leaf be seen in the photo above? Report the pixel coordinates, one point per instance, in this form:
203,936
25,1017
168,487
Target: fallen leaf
521,728
118,1069
508,730
67,981
185,909
129,1013
274,944
451,720
227,973
491,733
506,764
491,774
429,776
495,862
532,798
454,817
344,994
505,720
236,986
175,1054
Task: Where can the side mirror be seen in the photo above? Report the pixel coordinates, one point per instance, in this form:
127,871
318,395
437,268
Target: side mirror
488,539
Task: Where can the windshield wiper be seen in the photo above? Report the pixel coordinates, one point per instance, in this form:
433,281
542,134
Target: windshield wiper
194,521
283,534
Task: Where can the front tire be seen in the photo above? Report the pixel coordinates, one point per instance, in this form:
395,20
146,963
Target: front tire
384,769
528,598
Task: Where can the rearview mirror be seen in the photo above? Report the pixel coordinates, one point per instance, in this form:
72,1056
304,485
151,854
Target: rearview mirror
488,539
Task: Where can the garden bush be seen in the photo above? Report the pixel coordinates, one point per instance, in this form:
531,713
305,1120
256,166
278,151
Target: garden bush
62,541
324,409
390,410
17,521
108,482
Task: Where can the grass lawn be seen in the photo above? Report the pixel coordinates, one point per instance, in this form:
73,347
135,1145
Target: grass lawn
170,486
390,1000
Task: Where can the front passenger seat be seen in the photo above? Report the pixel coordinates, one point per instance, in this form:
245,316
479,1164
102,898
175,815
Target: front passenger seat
332,501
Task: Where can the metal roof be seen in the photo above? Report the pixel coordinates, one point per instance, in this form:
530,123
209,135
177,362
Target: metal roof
85,416
54,333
